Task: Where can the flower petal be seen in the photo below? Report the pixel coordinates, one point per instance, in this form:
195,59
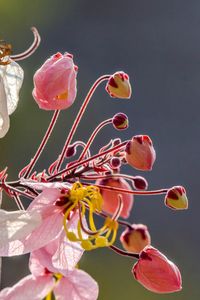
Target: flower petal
12,75
59,256
44,185
68,253
77,286
17,224
4,118
30,287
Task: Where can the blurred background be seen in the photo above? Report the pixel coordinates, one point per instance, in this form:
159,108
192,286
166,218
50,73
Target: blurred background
157,43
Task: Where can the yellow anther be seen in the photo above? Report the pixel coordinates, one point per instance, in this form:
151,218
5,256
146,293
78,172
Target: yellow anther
87,245
71,236
58,276
48,297
112,224
101,241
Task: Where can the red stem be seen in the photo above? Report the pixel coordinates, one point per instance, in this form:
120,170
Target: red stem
31,49
87,160
114,189
78,118
43,143
99,127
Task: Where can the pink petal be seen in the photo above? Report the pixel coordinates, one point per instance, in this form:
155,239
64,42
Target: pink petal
68,253
59,256
16,225
44,185
77,286
49,229
29,288
46,232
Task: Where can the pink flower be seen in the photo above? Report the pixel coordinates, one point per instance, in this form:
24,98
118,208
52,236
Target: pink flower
73,285
156,273
55,82
16,225
140,153
110,199
50,228
137,237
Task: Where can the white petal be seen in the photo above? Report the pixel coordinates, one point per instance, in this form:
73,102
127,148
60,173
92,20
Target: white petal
44,185
16,225
12,75
77,286
4,118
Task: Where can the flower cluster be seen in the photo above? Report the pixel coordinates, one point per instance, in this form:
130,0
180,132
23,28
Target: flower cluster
60,222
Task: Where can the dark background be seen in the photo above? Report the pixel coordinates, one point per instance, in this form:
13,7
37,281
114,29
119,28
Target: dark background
158,44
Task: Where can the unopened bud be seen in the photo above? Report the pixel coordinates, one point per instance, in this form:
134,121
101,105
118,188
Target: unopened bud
140,153
115,163
176,198
120,121
156,272
134,239
140,183
118,86
110,199
71,151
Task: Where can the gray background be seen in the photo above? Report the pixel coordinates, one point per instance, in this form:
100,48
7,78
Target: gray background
157,43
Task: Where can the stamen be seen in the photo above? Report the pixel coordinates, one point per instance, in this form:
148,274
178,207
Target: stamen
18,201
48,297
31,49
91,139
124,253
119,208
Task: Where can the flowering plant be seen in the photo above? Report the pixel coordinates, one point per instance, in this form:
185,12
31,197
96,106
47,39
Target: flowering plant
60,223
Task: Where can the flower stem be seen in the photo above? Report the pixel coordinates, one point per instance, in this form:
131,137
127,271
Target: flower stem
124,253
78,118
99,127
115,189
120,146
43,143
31,49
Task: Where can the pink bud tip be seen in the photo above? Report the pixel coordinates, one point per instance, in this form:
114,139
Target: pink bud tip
110,198
71,151
120,121
176,198
140,153
134,239
55,83
115,162
140,183
156,273
118,86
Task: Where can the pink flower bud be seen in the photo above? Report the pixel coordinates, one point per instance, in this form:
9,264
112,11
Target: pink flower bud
140,183
176,198
120,121
110,198
134,239
156,273
118,86
140,153
71,151
55,83
115,163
